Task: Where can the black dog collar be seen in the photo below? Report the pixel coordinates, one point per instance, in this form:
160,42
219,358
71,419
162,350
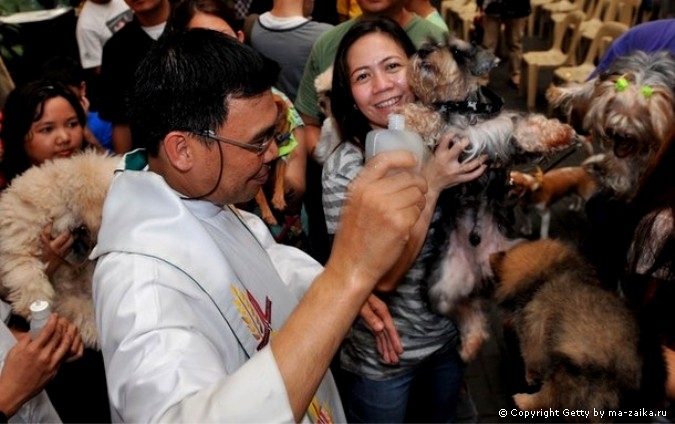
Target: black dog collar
483,102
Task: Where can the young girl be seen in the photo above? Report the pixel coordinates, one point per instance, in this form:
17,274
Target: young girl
43,121
421,382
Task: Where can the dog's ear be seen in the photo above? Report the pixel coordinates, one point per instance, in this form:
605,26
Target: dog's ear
573,100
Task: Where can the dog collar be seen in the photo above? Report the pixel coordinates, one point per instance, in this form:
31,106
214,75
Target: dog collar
484,102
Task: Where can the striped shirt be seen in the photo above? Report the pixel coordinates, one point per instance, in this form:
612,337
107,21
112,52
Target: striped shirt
422,331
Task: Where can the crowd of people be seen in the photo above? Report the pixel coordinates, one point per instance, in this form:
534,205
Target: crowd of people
204,311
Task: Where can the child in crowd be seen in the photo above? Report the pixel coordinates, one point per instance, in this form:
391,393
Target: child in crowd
44,120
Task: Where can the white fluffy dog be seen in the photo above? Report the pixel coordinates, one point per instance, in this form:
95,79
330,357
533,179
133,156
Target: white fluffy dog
68,193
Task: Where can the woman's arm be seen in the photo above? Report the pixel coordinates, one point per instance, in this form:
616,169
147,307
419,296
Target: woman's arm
443,170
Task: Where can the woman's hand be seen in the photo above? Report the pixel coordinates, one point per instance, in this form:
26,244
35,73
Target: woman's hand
32,363
376,315
444,170
55,249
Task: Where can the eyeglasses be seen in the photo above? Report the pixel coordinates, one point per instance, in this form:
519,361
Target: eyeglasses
258,147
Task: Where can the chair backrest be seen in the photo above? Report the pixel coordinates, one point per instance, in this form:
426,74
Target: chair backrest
601,9
571,24
627,11
608,32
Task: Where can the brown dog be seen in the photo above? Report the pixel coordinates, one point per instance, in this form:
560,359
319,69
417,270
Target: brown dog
541,190
578,340
281,133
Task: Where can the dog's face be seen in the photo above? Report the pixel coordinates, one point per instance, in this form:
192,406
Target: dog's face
323,85
282,128
628,111
449,70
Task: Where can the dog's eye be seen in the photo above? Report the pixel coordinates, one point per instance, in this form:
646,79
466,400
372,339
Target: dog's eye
624,146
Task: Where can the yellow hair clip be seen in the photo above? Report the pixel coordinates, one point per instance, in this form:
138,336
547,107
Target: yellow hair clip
647,91
621,84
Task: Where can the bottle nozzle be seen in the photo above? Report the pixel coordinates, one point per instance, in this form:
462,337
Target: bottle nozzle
396,122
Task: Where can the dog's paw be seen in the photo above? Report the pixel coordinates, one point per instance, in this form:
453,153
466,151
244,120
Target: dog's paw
278,201
470,348
269,219
525,401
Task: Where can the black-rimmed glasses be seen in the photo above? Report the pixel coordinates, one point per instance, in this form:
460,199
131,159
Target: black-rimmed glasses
258,148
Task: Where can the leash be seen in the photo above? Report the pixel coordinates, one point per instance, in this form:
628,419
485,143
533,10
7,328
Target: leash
570,150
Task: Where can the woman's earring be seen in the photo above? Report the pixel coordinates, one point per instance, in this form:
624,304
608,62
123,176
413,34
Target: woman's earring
355,107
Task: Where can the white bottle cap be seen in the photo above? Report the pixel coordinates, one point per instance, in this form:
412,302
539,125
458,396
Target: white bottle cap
396,122
39,309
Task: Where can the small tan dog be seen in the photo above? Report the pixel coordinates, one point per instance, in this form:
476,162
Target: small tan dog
281,133
68,193
541,190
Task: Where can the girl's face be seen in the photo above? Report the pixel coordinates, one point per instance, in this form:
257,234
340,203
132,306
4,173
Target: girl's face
57,133
377,74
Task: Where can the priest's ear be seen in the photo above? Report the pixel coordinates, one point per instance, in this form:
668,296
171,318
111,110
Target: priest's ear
178,147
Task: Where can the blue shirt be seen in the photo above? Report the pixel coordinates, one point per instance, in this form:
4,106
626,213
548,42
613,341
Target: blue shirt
649,37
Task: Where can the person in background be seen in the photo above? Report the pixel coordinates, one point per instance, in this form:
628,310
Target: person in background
513,16
425,9
648,37
27,365
121,56
180,273
44,120
286,34
347,9
422,382
67,71
97,22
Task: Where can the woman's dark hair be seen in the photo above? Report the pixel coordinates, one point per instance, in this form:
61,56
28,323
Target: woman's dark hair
186,81
25,105
352,125
184,10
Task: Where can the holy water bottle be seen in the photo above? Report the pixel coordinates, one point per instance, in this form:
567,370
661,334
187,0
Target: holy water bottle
39,312
396,137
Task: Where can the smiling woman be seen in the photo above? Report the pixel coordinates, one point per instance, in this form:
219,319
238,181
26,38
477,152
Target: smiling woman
418,348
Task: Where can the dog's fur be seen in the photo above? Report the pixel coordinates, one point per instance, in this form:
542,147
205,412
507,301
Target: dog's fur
539,190
446,79
68,193
578,340
629,110
281,129
330,138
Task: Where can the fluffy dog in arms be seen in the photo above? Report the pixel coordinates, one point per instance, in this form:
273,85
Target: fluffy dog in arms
580,341
540,190
629,110
68,193
446,79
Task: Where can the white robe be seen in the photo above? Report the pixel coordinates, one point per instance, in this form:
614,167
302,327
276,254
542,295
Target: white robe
165,265
39,409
